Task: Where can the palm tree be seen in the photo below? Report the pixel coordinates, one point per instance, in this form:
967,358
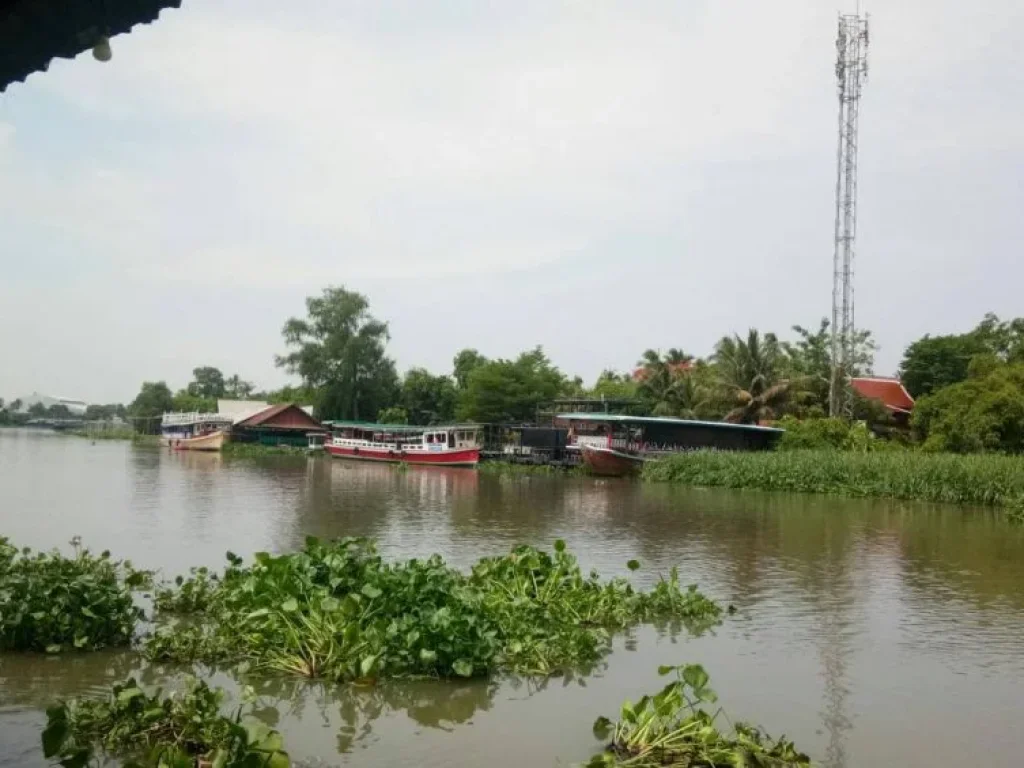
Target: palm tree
750,372
665,381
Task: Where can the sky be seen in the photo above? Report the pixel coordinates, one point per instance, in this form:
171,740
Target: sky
595,177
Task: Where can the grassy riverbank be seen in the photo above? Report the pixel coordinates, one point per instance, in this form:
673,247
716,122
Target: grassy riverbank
508,469
978,479
112,433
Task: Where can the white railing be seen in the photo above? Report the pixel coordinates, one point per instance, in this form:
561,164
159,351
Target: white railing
188,419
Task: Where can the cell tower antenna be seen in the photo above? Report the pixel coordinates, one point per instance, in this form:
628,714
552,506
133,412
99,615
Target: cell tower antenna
851,73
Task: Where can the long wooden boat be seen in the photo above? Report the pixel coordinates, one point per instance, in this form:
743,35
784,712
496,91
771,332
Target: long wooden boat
211,441
454,446
613,444
608,462
194,431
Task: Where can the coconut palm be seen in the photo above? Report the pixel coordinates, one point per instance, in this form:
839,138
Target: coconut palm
750,374
666,382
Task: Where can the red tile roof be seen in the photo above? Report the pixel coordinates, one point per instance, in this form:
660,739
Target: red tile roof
890,391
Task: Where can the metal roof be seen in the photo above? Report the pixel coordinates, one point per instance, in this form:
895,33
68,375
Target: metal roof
622,418
33,32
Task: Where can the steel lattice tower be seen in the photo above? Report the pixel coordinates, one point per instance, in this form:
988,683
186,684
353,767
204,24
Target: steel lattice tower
851,72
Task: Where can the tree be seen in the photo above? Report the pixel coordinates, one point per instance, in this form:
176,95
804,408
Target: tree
153,400
288,394
108,412
810,363
666,385
465,362
611,385
237,388
749,373
58,411
934,362
428,399
37,410
393,415
510,390
339,353
207,381
186,402
983,413
15,404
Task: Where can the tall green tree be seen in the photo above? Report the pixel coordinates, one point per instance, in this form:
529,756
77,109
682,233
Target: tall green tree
237,388
207,381
15,404
510,390
428,399
612,385
338,350
153,400
465,362
810,363
934,362
186,402
750,374
982,413
667,386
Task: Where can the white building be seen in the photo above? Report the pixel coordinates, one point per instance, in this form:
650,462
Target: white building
77,407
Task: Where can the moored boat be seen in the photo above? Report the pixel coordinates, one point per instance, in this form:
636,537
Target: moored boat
614,444
446,446
194,431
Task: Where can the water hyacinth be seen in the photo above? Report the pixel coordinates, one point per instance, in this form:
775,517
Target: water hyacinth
338,611
673,728
178,731
53,603
976,479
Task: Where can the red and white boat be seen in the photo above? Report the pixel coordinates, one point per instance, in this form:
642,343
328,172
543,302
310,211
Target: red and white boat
454,446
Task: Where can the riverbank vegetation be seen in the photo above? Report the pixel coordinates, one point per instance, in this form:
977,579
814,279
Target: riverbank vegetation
178,731
53,603
105,433
977,480
674,728
259,450
338,611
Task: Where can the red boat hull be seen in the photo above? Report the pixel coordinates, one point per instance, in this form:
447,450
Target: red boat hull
608,462
467,457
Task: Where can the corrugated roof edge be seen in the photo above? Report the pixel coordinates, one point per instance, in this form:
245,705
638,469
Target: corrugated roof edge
620,417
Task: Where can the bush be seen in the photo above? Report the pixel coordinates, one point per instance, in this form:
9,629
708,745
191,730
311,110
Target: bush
838,434
53,603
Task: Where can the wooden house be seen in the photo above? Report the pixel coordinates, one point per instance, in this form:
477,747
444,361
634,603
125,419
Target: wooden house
282,424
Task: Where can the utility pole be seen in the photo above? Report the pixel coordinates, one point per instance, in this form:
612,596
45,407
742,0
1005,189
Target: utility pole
851,73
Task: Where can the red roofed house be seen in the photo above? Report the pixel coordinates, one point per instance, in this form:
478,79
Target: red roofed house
891,392
282,424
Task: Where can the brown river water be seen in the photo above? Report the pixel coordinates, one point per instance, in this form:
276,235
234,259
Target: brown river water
873,633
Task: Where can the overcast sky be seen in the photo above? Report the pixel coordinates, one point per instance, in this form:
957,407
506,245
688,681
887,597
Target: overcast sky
595,177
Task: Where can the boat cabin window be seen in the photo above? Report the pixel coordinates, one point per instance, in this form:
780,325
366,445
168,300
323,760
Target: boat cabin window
430,437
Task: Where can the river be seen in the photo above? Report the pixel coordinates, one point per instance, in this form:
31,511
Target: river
871,632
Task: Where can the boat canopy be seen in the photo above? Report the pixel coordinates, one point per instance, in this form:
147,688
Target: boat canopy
623,419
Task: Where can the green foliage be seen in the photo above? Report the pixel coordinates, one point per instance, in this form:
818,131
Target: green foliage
750,374
338,611
153,400
510,390
427,399
983,480
672,728
673,384
934,362
338,350
237,450
614,386
465,362
179,731
979,414
810,364
104,433
393,415
236,388
105,412
838,434
53,603
186,402
207,382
